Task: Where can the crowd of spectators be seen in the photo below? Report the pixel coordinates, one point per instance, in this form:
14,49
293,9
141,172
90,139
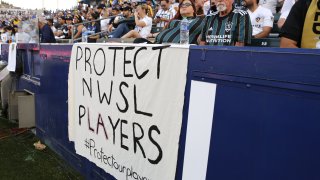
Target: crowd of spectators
11,19
215,22
147,19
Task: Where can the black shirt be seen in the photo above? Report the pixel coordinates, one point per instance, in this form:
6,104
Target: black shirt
47,34
293,26
65,31
130,22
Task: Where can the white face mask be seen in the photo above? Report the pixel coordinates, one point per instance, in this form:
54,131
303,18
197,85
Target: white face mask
221,6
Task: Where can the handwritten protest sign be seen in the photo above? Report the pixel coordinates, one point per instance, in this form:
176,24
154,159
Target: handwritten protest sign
125,107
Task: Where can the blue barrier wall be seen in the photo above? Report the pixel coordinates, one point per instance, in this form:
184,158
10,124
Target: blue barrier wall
266,117
46,75
4,52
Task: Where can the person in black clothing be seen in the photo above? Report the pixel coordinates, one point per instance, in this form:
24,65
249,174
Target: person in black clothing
292,30
79,28
124,25
115,14
100,8
46,34
62,30
68,28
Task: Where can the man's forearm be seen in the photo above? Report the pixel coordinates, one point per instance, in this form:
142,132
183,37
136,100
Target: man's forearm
288,43
263,34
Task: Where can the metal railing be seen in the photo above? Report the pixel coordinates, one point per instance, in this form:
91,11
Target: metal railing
89,35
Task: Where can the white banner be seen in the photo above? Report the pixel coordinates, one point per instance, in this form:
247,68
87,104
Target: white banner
12,57
125,107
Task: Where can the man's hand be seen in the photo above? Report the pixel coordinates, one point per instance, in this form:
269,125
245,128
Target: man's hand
136,14
157,20
240,44
265,32
202,43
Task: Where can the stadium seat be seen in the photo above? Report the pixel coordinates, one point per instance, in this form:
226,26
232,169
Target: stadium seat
275,31
265,42
276,17
275,28
156,29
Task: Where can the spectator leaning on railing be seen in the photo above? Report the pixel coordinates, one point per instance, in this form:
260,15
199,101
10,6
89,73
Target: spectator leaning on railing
115,13
45,32
62,30
78,29
50,23
124,25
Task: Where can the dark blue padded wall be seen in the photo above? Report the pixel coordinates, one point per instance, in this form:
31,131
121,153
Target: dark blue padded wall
46,75
267,111
266,122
